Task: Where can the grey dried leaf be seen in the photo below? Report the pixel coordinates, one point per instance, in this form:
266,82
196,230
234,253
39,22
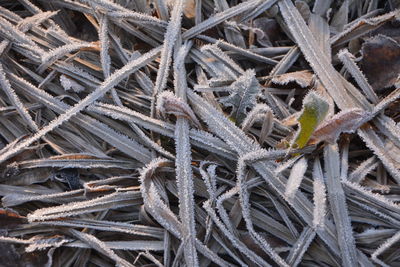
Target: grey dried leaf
339,207
114,79
100,246
183,162
243,94
173,30
348,60
220,17
318,61
78,124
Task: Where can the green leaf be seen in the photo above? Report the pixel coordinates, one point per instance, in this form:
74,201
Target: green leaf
315,108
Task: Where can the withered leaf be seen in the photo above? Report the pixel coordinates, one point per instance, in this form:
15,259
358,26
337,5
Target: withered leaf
381,61
168,103
268,31
10,219
69,176
302,78
346,121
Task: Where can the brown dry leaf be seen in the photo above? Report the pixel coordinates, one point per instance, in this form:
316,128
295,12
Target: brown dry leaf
344,122
74,156
10,219
268,31
190,9
381,61
390,28
303,78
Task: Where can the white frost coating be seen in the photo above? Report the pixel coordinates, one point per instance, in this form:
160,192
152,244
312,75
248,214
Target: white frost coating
232,238
376,198
104,45
337,201
363,169
318,103
27,23
375,143
209,178
69,84
301,246
348,60
57,53
19,198
183,162
72,70
14,34
169,103
239,142
342,37
45,243
14,240
243,94
126,114
228,46
199,138
286,164
109,83
110,226
5,85
120,141
295,178
319,196
101,247
232,135
302,78
389,128
161,212
152,200
218,69
162,98
119,11
312,52
219,17
114,200
173,29
244,202
211,143
256,114
76,163
222,211
387,244
393,96
214,51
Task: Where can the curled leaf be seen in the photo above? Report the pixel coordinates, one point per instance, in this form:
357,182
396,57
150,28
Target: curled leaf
347,121
315,108
168,103
301,78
